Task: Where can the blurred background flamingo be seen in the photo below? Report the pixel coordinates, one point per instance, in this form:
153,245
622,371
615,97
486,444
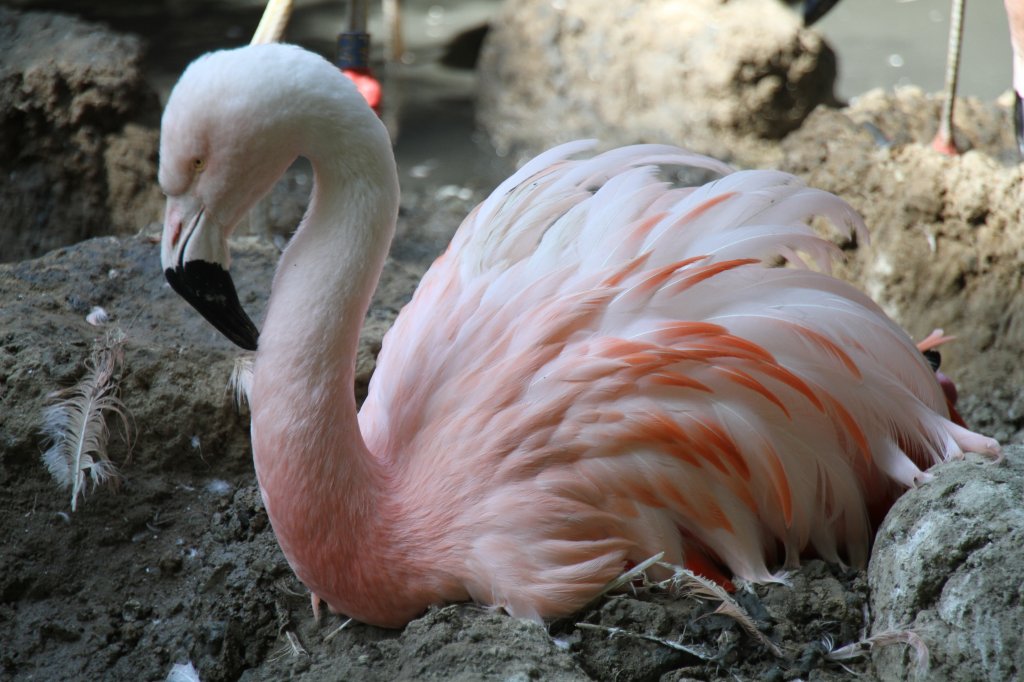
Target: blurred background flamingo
600,367
944,138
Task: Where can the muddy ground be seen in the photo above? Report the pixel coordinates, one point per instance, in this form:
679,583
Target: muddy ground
179,564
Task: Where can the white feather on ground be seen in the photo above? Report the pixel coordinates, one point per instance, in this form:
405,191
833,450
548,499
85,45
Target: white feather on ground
183,672
76,425
240,381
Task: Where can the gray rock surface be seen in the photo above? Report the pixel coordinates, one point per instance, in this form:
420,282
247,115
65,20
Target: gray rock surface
78,142
947,565
723,78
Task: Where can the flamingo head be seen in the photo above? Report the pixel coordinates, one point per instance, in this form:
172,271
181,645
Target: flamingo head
233,124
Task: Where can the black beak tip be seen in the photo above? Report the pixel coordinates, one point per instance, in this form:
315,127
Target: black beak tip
208,287
816,9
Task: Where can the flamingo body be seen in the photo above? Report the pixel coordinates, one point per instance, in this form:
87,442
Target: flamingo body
601,366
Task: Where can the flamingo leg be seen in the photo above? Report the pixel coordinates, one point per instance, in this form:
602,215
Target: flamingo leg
392,11
314,599
273,22
354,55
944,142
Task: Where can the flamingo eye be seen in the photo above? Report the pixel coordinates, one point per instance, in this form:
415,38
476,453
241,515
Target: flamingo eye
198,164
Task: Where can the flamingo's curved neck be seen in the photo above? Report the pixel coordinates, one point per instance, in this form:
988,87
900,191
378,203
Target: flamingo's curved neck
311,460
322,289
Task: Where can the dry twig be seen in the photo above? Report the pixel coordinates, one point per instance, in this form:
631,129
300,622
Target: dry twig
686,583
671,644
888,638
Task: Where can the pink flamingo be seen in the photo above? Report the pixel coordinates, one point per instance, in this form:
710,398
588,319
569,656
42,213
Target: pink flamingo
599,368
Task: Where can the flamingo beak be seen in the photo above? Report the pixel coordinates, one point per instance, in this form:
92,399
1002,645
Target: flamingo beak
816,9
194,256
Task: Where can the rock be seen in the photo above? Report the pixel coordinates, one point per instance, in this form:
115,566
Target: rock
723,78
75,151
947,565
490,647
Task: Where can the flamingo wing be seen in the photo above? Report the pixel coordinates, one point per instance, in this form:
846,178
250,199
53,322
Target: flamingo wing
603,366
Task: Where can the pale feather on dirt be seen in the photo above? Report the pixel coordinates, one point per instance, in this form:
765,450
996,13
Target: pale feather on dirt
76,423
601,367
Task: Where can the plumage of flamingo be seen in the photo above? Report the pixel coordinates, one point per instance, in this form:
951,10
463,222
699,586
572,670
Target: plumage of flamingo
600,367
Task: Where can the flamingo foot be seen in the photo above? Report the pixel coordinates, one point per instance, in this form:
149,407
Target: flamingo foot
702,565
315,602
944,144
969,441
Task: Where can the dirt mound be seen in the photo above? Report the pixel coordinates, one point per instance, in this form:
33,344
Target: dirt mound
722,78
78,143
